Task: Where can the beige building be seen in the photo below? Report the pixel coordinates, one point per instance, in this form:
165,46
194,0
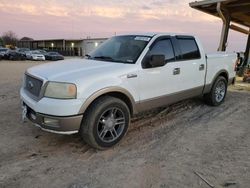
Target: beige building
69,47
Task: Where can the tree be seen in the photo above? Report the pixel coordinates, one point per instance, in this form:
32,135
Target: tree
9,38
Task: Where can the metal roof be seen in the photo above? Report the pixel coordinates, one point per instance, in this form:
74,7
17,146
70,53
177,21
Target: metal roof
238,10
71,40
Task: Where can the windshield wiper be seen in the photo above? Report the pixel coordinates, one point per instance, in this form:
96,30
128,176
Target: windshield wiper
88,56
108,58
104,58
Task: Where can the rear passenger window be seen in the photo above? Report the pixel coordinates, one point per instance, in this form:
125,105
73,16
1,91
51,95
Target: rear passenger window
163,47
189,48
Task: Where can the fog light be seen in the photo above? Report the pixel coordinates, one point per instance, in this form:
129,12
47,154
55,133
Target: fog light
33,116
51,122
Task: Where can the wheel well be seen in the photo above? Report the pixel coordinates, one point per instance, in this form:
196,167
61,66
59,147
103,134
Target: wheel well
120,96
224,74
124,98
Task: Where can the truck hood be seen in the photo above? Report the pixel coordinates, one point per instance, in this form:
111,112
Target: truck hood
75,69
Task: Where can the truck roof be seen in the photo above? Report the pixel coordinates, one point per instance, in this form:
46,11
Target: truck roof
151,34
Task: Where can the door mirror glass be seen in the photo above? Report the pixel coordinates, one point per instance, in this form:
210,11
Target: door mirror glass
157,60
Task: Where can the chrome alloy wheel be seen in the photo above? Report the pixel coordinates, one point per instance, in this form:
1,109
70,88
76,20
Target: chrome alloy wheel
220,91
111,124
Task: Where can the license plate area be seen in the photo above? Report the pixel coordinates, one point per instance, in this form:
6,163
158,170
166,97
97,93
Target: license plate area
28,113
24,113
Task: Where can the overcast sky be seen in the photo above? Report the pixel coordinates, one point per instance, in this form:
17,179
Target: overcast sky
43,19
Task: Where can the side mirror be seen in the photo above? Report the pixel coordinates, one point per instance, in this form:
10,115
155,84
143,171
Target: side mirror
157,60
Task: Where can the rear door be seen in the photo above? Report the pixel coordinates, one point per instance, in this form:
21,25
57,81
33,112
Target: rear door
191,64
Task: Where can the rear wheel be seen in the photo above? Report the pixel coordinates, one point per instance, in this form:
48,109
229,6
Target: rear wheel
218,92
105,122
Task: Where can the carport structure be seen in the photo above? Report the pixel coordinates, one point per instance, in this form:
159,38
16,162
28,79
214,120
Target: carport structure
237,11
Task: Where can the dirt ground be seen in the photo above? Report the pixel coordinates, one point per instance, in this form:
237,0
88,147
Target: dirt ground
163,149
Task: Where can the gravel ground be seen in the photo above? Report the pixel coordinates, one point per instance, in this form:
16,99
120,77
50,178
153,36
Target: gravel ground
164,148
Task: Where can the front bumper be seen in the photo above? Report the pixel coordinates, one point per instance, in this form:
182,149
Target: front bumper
55,124
53,115
53,107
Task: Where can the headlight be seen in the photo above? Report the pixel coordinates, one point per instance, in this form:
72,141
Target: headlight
60,90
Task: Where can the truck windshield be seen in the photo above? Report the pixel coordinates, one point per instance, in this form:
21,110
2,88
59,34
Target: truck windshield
121,49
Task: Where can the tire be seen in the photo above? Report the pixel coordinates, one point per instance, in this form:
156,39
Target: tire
105,123
218,92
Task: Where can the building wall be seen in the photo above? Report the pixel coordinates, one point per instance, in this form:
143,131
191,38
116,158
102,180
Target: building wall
24,44
66,47
73,44
54,44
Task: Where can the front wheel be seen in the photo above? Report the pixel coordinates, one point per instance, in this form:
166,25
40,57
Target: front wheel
218,92
105,122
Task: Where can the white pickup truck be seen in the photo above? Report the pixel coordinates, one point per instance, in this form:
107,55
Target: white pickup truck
128,74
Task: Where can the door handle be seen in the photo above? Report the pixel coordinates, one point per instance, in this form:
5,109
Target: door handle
131,75
201,67
176,71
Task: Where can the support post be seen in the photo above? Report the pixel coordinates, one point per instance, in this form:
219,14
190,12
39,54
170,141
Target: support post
63,45
247,52
44,44
225,28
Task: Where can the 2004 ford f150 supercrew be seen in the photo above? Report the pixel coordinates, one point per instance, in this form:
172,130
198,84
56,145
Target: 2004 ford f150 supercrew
128,74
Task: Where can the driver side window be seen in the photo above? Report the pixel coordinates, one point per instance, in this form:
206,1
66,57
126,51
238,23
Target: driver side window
161,47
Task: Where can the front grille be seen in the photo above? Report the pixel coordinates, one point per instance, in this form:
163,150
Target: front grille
33,85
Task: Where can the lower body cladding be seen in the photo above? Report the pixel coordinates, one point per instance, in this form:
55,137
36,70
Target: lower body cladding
54,124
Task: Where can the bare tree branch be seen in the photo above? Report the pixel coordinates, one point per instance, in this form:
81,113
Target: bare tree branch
9,38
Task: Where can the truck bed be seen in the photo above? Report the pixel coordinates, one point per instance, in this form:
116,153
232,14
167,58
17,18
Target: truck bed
220,61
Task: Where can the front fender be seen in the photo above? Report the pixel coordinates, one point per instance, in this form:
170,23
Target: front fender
107,90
